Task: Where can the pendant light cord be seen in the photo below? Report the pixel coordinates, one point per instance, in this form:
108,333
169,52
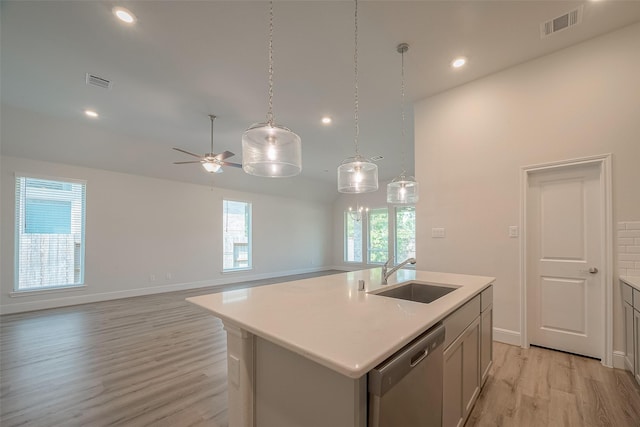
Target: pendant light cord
355,60
270,119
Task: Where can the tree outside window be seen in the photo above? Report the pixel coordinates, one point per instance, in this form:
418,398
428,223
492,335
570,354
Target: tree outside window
378,247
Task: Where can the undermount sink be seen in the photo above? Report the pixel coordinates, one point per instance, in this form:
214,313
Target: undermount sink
418,292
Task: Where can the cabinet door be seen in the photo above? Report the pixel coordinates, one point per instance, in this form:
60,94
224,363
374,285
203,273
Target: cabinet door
628,337
452,386
636,328
486,342
461,376
470,367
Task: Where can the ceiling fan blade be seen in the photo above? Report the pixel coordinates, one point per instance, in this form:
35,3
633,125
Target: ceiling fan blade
233,165
224,155
186,152
184,163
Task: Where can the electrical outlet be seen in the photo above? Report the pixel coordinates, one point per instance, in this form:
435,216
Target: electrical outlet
437,233
514,231
152,277
168,276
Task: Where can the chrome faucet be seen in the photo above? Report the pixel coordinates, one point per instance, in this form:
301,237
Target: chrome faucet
386,274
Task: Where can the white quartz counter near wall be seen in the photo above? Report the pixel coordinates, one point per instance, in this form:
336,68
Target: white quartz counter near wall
633,281
326,319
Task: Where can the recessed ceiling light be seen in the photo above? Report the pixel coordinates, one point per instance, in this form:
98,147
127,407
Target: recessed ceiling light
124,15
458,62
326,120
91,113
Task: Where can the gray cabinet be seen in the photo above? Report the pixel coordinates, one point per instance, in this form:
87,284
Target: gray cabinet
486,333
631,312
468,356
629,360
461,379
636,323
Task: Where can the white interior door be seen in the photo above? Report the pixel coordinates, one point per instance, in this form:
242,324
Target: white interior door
564,287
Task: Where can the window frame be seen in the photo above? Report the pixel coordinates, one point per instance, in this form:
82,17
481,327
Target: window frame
369,234
346,219
396,208
249,230
19,228
392,233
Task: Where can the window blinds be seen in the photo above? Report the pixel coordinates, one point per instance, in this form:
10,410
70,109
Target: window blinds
50,218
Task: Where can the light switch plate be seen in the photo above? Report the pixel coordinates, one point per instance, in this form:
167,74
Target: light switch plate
437,233
514,231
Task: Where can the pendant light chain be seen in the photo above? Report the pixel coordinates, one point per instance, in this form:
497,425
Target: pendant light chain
270,118
404,141
355,60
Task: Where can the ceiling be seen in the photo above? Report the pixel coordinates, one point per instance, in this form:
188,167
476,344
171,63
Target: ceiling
183,60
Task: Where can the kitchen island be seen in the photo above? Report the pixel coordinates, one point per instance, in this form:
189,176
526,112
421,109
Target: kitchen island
318,338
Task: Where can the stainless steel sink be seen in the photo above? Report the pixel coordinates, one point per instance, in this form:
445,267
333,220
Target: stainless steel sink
418,292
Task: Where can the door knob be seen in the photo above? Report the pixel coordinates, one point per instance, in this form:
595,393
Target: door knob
593,270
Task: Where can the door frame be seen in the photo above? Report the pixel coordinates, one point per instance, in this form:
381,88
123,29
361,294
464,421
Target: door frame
606,252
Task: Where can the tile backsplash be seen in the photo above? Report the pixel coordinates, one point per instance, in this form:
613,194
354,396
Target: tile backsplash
629,248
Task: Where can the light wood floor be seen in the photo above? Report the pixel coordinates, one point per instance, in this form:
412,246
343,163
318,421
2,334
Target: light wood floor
159,361
540,387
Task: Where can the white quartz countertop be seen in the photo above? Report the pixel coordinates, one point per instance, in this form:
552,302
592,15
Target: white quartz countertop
633,281
326,319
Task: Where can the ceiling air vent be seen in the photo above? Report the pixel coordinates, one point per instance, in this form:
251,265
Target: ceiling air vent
93,80
561,22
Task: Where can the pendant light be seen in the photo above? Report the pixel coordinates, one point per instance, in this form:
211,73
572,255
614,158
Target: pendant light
269,149
403,189
357,174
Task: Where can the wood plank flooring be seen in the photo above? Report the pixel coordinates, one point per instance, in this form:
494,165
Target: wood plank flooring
540,387
147,361
159,361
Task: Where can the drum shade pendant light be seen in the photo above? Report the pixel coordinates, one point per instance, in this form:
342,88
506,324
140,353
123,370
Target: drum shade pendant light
357,174
269,149
403,189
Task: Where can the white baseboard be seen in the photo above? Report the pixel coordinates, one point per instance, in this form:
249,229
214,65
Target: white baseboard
506,336
106,296
618,359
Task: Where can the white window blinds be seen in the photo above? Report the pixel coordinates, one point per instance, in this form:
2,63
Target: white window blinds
50,218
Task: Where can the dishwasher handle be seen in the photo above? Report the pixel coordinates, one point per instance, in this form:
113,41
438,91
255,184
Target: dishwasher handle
384,376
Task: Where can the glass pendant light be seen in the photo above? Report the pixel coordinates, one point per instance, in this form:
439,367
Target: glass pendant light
403,189
269,149
357,174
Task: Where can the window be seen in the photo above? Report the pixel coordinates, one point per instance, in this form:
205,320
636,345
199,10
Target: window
353,239
378,236
405,233
50,217
236,235
387,234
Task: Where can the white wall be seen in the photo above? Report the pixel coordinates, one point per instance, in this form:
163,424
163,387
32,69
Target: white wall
138,226
471,142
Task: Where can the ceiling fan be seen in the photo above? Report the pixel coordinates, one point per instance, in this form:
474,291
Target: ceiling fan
212,162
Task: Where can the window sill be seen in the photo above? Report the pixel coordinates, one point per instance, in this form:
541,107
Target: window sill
236,270
28,293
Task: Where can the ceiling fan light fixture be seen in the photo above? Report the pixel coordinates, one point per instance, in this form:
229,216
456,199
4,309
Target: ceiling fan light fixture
271,150
211,167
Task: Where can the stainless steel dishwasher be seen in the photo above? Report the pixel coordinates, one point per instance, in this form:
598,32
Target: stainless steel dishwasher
406,389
